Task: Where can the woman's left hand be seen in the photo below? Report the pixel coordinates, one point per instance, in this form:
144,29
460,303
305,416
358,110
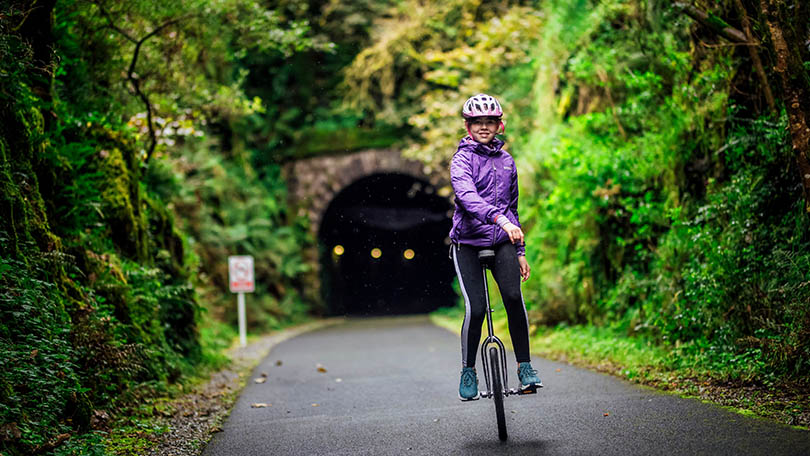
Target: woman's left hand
525,269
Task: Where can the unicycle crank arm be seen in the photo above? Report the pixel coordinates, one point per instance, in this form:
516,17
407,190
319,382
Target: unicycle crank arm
513,392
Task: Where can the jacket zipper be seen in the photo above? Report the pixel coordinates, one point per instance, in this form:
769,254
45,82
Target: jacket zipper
495,173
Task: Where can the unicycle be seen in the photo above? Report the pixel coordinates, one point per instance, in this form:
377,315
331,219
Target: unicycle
493,358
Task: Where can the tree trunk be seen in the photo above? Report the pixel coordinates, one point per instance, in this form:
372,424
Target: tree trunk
37,29
788,30
753,51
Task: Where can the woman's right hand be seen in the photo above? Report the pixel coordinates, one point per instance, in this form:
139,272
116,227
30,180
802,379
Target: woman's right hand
515,233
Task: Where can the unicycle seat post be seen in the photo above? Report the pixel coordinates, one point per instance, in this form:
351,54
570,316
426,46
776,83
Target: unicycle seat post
486,257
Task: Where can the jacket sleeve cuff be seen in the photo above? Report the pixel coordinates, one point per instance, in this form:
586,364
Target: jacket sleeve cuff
501,220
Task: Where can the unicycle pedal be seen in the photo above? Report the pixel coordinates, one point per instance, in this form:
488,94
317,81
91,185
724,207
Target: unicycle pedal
531,389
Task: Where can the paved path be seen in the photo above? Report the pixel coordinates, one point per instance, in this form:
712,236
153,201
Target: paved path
391,385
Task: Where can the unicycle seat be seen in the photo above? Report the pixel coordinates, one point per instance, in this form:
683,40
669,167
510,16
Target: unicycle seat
486,256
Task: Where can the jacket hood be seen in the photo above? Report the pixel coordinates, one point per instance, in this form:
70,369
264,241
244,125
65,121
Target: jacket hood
494,147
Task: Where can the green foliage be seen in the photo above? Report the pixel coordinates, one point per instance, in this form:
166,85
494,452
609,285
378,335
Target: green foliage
427,58
99,307
746,276
658,200
187,60
658,208
40,381
304,111
343,138
228,209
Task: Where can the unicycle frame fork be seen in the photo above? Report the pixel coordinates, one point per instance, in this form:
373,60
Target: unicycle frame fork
492,340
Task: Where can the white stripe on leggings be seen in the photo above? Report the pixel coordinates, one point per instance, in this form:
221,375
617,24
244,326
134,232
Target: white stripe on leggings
465,329
526,314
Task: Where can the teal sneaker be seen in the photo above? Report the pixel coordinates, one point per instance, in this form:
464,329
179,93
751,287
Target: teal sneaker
528,376
468,387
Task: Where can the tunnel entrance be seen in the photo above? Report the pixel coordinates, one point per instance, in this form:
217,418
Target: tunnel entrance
383,247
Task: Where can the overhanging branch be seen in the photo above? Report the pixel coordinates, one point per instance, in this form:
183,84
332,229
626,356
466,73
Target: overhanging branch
133,78
715,23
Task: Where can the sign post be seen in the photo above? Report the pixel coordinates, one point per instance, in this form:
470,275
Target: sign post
240,273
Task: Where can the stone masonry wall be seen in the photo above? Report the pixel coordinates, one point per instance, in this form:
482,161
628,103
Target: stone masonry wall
314,182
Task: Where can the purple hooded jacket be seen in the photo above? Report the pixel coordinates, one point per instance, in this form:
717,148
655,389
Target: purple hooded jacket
484,179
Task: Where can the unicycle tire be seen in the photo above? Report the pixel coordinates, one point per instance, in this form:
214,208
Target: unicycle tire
497,391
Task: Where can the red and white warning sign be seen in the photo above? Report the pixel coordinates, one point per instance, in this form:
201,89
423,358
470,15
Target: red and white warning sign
240,272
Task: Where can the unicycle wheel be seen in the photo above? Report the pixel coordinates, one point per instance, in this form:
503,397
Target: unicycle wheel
497,391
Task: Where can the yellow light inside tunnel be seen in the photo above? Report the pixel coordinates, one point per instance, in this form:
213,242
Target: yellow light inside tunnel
338,250
376,253
408,254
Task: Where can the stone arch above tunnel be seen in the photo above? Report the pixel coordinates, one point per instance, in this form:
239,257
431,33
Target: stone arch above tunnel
314,182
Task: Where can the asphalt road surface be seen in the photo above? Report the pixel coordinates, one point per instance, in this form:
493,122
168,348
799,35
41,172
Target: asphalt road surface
390,387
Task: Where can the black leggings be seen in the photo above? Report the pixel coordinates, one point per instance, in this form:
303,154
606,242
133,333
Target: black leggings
506,271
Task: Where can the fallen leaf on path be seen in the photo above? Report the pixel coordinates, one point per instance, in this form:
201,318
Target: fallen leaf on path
260,380
260,405
216,429
278,362
263,374
315,405
320,368
436,420
558,370
606,414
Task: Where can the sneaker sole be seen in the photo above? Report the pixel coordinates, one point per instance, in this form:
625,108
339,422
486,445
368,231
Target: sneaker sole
468,399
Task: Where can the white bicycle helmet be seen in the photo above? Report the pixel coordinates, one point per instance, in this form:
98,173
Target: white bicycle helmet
481,105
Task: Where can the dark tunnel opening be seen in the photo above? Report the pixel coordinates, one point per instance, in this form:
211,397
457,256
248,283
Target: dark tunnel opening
383,242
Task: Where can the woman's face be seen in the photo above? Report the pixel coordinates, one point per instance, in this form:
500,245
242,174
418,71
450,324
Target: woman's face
483,129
